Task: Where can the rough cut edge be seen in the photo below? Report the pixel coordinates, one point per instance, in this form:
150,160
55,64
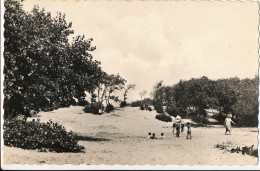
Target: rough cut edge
1,77
116,166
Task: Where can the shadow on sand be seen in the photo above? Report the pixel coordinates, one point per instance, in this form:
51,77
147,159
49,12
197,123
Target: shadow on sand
87,138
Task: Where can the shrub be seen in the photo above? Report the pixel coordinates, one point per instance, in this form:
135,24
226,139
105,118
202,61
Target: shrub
246,120
139,103
123,104
83,102
36,135
73,102
163,117
200,120
110,108
172,110
93,108
142,107
149,108
158,106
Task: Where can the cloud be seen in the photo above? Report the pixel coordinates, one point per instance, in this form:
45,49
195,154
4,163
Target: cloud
146,42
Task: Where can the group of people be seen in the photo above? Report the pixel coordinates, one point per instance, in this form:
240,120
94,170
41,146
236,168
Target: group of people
178,125
152,136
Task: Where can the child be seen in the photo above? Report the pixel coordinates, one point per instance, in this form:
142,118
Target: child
227,124
153,136
173,127
188,130
178,118
162,136
182,127
178,127
149,135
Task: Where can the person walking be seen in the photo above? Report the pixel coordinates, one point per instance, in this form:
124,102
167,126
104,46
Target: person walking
227,124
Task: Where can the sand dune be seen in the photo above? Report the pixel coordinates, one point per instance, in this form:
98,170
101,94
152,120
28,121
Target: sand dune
122,140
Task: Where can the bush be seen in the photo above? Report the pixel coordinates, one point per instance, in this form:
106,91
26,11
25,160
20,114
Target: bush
110,108
172,110
142,107
149,108
163,117
36,135
139,103
123,104
246,120
93,108
158,106
83,103
200,120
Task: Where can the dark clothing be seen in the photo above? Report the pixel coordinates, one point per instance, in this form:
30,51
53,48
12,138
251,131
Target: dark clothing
178,127
182,127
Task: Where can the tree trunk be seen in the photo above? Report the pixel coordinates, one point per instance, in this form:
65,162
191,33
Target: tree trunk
108,98
98,92
125,94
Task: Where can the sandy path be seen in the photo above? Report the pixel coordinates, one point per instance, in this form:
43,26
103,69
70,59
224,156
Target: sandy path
126,130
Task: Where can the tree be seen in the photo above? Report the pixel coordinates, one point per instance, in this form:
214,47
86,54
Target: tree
158,92
245,110
142,94
127,88
42,69
226,95
114,82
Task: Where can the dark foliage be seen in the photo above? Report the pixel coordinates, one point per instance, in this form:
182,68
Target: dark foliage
83,102
93,108
202,120
123,104
142,107
109,108
158,106
249,150
139,103
163,117
42,69
190,99
36,135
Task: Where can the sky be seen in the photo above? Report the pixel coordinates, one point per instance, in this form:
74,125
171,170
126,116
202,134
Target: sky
149,41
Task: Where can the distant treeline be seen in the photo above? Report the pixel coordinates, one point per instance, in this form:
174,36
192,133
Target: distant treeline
192,97
43,70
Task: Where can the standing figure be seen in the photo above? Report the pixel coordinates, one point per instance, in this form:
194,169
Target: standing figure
178,118
178,127
188,130
182,126
173,127
227,124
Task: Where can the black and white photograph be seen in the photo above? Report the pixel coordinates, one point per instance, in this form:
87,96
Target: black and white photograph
108,82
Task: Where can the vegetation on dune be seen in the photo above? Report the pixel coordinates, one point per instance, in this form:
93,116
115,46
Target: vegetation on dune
93,107
142,94
43,136
191,99
249,150
126,90
139,103
44,70
163,117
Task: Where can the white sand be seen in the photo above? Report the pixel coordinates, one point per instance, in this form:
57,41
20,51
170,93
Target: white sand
126,130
